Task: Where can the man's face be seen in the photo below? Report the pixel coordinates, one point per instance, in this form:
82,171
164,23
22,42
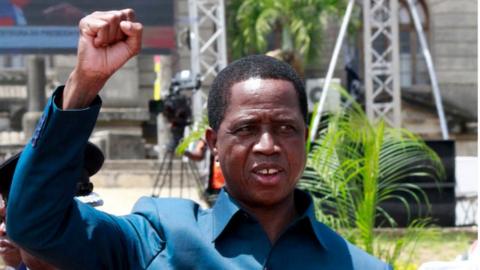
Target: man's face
9,253
33,263
13,255
261,142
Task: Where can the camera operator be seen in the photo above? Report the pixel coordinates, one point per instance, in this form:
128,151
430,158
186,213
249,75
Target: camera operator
178,114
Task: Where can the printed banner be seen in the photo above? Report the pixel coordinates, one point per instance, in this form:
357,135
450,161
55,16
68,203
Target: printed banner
47,26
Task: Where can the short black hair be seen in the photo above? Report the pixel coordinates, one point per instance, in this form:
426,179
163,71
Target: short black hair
254,66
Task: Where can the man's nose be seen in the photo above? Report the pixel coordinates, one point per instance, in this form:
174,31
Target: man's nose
266,144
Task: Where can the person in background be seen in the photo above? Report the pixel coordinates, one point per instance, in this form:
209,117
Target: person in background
9,253
16,258
216,180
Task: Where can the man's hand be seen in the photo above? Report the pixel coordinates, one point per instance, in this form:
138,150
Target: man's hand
107,41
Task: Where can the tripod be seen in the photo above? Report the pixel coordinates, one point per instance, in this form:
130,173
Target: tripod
164,180
178,113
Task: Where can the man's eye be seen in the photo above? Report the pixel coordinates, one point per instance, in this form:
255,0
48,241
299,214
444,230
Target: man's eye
286,128
243,129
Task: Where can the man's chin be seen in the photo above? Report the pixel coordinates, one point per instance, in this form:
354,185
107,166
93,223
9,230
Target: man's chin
263,197
269,199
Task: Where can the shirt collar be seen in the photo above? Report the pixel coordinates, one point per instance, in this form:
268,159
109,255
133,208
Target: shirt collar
223,211
226,207
303,200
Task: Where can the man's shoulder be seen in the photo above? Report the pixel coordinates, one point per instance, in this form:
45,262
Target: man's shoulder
161,211
360,259
363,260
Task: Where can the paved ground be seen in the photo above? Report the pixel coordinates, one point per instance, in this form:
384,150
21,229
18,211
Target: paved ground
122,182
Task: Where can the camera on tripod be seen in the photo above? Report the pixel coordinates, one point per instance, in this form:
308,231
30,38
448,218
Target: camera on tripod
176,106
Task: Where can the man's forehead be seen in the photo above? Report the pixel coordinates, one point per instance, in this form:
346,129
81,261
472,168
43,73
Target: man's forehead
258,86
263,116
257,96
254,82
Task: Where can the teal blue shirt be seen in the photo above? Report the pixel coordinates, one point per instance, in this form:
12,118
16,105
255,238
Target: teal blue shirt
45,219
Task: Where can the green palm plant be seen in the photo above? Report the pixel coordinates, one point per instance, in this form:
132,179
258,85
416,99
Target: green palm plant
197,132
299,23
355,165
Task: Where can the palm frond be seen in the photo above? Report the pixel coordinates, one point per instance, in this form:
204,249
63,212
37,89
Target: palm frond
300,22
355,165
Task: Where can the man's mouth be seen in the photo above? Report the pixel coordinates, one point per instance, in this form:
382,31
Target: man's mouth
267,174
268,171
6,246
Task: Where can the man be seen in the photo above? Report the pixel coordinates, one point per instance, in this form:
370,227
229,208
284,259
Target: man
16,258
215,180
257,112
8,251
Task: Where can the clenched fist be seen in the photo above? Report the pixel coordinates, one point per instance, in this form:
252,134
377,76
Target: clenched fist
107,41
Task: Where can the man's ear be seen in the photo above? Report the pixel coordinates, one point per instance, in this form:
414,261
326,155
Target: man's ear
211,137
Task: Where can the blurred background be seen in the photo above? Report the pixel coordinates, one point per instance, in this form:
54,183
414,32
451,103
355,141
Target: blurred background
411,64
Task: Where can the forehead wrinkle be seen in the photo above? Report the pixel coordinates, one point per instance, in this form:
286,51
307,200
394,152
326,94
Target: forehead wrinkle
260,114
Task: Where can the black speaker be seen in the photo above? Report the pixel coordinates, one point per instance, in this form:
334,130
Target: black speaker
155,106
441,195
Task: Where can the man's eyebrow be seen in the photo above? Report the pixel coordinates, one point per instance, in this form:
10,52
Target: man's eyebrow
285,118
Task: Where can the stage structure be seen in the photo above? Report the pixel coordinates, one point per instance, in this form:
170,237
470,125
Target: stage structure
382,73
208,53
208,50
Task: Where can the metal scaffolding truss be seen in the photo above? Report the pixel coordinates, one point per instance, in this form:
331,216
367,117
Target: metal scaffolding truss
207,37
382,73
382,76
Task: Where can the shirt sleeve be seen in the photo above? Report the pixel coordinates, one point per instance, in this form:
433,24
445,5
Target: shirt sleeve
44,218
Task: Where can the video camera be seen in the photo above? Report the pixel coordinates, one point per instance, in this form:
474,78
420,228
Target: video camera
184,80
176,107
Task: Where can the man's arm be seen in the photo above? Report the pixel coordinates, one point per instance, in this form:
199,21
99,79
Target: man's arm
44,219
42,215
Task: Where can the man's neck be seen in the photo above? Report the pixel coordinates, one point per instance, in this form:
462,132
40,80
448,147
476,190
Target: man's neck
275,219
